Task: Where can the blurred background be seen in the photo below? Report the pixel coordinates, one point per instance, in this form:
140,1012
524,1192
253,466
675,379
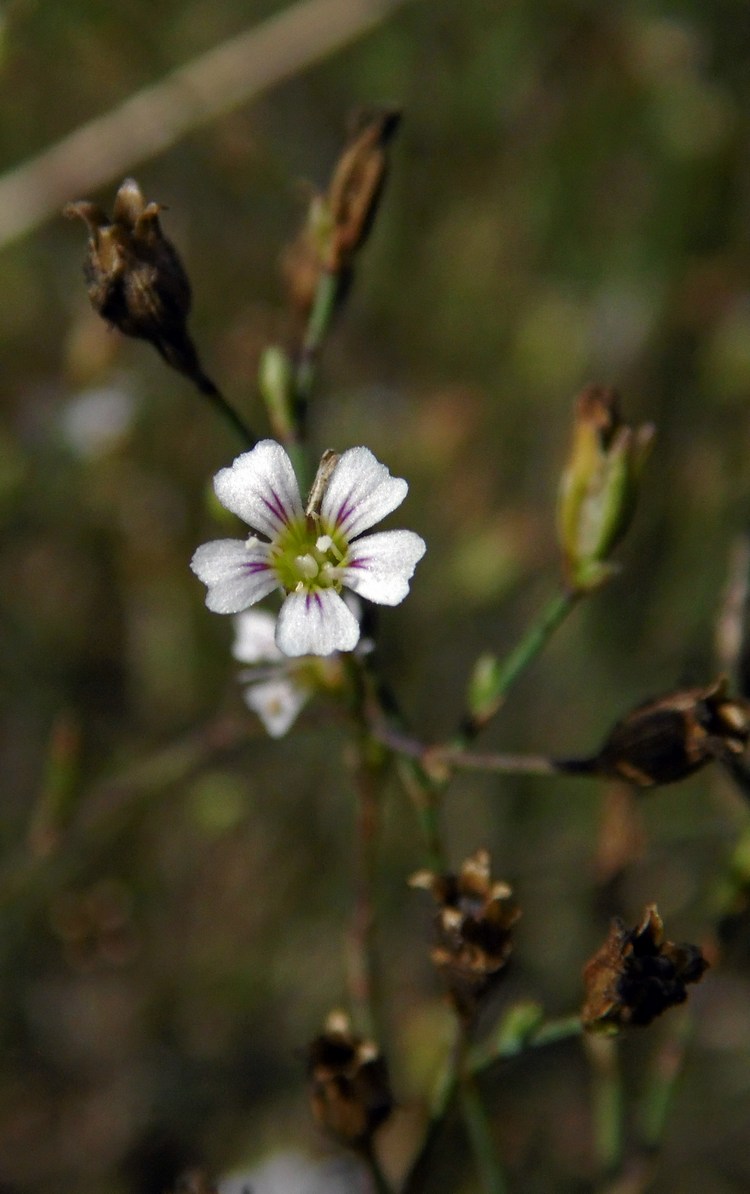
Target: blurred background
568,203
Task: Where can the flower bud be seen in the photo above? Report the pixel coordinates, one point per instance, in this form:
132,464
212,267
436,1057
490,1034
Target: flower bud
667,739
350,1093
482,690
135,278
637,974
598,489
276,383
473,930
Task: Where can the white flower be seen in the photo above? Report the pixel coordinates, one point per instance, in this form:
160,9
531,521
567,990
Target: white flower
276,691
310,556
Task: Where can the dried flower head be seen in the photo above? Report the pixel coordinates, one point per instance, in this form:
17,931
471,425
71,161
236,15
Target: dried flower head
637,974
667,739
339,222
599,486
135,278
473,929
350,1093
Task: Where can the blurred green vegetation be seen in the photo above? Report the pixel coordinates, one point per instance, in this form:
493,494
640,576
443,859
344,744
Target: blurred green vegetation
568,203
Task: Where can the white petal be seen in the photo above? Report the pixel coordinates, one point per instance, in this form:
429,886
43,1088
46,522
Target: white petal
316,623
277,703
381,566
360,492
237,575
261,488
254,637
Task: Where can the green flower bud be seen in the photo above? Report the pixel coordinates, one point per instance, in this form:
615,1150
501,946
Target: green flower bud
276,382
483,700
599,486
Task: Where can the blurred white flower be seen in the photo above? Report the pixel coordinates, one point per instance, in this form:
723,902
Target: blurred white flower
95,421
293,1173
276,687
275,692
310,555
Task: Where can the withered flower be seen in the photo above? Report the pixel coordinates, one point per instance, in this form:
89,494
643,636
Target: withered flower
339,221
637,974
599,486
135,278
473,930
350,1093
667,739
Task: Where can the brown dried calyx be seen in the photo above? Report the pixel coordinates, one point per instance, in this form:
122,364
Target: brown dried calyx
670,737
473,930
135,278
350,1092
339,221
637,974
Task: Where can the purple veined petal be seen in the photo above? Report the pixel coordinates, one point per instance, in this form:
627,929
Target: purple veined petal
255,637
316,623
380,566
237,575
277,702
360,492
260,488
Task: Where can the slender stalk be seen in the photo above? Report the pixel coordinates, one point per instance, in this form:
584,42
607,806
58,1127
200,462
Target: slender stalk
362,962
606,1103
658,1097
534,640
380,1184
318,324
227,413
479,1131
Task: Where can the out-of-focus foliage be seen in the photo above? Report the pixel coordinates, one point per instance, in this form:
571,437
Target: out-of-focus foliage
568,203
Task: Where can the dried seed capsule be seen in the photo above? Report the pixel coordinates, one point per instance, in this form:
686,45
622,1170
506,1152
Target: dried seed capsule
473,930
637,974
350,1093
339,221
667,739
135,278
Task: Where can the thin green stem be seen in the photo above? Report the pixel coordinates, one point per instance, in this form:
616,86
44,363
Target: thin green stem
533,642
479,1130
606,1103
658,1097
318,324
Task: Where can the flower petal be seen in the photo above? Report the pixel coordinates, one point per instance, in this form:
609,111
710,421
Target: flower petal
237,573
316,623
277,703
254,637
380,566
360,492
261,488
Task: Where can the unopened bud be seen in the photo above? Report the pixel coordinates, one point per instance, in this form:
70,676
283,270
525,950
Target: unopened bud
276,383
482,692
599,486
135,278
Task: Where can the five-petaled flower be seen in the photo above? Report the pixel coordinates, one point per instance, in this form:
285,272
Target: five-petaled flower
310,554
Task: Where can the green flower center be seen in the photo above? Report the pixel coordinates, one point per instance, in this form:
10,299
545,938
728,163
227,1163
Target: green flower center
309,554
